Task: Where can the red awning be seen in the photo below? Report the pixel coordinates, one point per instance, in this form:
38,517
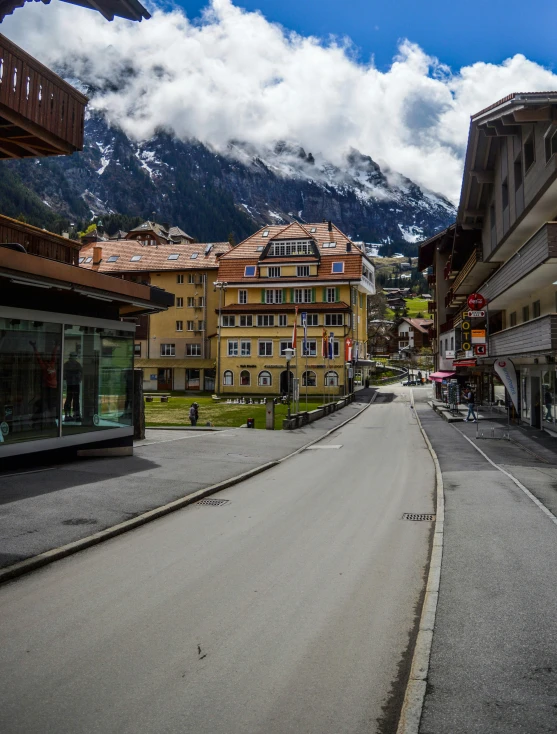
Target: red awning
440,376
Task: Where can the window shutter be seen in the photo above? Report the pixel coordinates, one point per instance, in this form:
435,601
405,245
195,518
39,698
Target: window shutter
262,295
292,295
284,295
313,297
324,295
337,294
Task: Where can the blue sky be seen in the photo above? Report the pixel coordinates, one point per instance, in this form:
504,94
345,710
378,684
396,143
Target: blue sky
458,33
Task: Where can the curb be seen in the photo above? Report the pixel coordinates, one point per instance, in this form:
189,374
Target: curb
55,554
411,713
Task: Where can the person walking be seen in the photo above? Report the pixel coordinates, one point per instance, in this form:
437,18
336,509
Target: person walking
470,398
548,402
194,414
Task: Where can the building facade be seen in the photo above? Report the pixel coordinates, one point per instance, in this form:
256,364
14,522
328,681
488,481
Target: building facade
175,348
503,246
297,286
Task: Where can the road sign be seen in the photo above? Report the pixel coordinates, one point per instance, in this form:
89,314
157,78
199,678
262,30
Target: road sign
480,350
476,301
475,314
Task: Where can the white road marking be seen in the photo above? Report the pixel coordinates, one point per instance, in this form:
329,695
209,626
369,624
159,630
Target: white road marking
182,438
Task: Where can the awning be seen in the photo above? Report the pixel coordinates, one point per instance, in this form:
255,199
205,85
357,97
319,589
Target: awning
440,376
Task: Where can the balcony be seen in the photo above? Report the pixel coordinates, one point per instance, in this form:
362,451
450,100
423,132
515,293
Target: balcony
40,114
533,267
536,336
431,307
431,278
39,242
472,274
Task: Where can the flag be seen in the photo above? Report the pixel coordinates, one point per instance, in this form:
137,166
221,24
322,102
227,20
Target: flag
305,325
325,344
294,330
348,350
331,345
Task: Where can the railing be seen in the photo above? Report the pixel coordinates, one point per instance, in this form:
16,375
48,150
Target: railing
431,278
466,269
431,307
39,242
31,93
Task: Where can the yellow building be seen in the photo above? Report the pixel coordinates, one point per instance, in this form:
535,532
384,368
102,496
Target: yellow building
176,351
313,270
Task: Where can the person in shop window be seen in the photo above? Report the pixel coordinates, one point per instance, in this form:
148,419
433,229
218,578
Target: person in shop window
49,379
73,372
548,402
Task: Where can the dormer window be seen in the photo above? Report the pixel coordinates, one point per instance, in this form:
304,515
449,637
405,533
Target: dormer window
194,255
260,248
249,271
284,249
174,256
135,258
329,245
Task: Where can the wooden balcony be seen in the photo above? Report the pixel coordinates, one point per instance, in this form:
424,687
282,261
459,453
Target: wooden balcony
39,242
40,114
431,307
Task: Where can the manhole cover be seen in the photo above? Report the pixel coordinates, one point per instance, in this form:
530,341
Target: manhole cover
213,503
418,516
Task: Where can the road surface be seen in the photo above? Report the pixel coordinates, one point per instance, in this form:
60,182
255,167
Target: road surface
286,610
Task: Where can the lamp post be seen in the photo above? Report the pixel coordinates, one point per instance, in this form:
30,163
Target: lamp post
288,353
220,286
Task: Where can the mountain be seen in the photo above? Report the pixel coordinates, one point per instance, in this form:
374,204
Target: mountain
211,194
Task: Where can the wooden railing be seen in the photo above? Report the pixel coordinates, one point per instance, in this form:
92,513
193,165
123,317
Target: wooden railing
34,97
39,242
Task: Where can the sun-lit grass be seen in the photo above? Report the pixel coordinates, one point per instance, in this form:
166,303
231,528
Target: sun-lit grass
176,412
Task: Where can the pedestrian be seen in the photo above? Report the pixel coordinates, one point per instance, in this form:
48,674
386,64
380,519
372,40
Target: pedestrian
548,402
73,374
470,398
193,414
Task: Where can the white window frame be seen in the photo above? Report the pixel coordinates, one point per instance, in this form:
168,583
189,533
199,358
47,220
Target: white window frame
273,295
252,275
228,378
262,317
304,378
335,382
190,325
260,344
334,319
168,350
337,272
312,348
268,376
179,326
303,271
179,302
242,296
191,278
190,348
284,344
228,320
273,271
331,295
248,383
282,319
301,295
232,349
245,347
190,301
179,278
247,319
313,319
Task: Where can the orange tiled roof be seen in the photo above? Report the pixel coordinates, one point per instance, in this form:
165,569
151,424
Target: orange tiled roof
152,258
232,271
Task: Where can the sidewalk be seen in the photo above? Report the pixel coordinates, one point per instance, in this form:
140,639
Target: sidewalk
51,506
493,666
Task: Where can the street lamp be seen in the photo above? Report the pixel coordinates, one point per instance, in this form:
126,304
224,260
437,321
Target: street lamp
220,286
288,353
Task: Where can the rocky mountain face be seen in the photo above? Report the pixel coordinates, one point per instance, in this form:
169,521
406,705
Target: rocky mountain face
211,195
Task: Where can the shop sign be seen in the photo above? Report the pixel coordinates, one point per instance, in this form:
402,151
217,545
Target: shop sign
506,372
478,336
480,350
476,301
449,354
475,314
250,366
466,332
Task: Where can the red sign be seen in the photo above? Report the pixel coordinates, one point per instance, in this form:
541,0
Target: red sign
476,302
480,350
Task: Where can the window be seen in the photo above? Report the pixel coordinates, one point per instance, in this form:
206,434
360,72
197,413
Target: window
201,325
168,350
334,319
242,296
190,325
249,271
517,174
452,343
265,233
228,378
245,348
265,320
273,296
232,348
310,348
309,379
194,256
529,152
179,326
273,272
193,350
330,295
201,301
361,300
536,309
81,259
174,256
113,258
331,379
191,278
283,249
302,271
137,350
229,320
179,278
134,259
264,379
303,295
246,320
245,378
285,345
260,248
329,245
550,144
191,301
283,319
313,319
337,268
266,349
180,303
354,297
526,313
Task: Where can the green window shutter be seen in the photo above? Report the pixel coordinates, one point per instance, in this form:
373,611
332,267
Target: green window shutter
262,295
313,297
284,295
292,295
324,295
337,294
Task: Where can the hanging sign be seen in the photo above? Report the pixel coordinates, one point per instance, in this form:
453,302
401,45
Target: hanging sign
466,330
504,368
475,314
480,350
476,301
478,336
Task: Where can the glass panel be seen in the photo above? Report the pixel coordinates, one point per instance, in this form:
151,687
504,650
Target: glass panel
525,383
98,379
29,380
548,396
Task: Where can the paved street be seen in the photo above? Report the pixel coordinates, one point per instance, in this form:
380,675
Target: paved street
288,609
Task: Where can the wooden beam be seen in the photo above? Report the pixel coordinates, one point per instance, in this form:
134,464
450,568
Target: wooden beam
502,130
484,177
534,114
64,147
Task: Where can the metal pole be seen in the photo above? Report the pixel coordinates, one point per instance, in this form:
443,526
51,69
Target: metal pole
288,383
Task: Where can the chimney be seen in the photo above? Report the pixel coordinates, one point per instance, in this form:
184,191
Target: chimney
330,225
66,235
97,255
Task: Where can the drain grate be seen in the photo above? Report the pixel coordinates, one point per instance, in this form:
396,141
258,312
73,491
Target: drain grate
418,516
213,503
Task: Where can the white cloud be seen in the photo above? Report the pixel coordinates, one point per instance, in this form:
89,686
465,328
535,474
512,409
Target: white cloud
235,75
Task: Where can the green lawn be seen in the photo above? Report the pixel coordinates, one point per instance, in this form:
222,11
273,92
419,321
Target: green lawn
176,412
416,306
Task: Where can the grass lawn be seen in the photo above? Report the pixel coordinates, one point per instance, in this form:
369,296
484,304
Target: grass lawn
176,412
416,306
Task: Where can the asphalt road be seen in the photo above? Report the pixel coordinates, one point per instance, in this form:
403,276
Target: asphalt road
286,610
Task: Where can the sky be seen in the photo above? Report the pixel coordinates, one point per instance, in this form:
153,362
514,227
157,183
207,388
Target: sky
395,80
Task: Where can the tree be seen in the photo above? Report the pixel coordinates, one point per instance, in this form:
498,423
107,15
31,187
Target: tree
376,306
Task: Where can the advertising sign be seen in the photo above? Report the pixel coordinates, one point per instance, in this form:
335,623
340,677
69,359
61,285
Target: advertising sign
475,314
478,336
480,350
506,372
476,301
449,354
466,331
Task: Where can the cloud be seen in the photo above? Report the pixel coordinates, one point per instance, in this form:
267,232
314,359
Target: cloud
235,75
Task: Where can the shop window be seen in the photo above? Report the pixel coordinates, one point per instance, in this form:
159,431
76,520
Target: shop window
264,379
309,379
245,378
331,379
228,378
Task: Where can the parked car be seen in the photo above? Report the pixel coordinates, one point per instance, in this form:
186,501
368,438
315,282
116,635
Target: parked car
408,383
